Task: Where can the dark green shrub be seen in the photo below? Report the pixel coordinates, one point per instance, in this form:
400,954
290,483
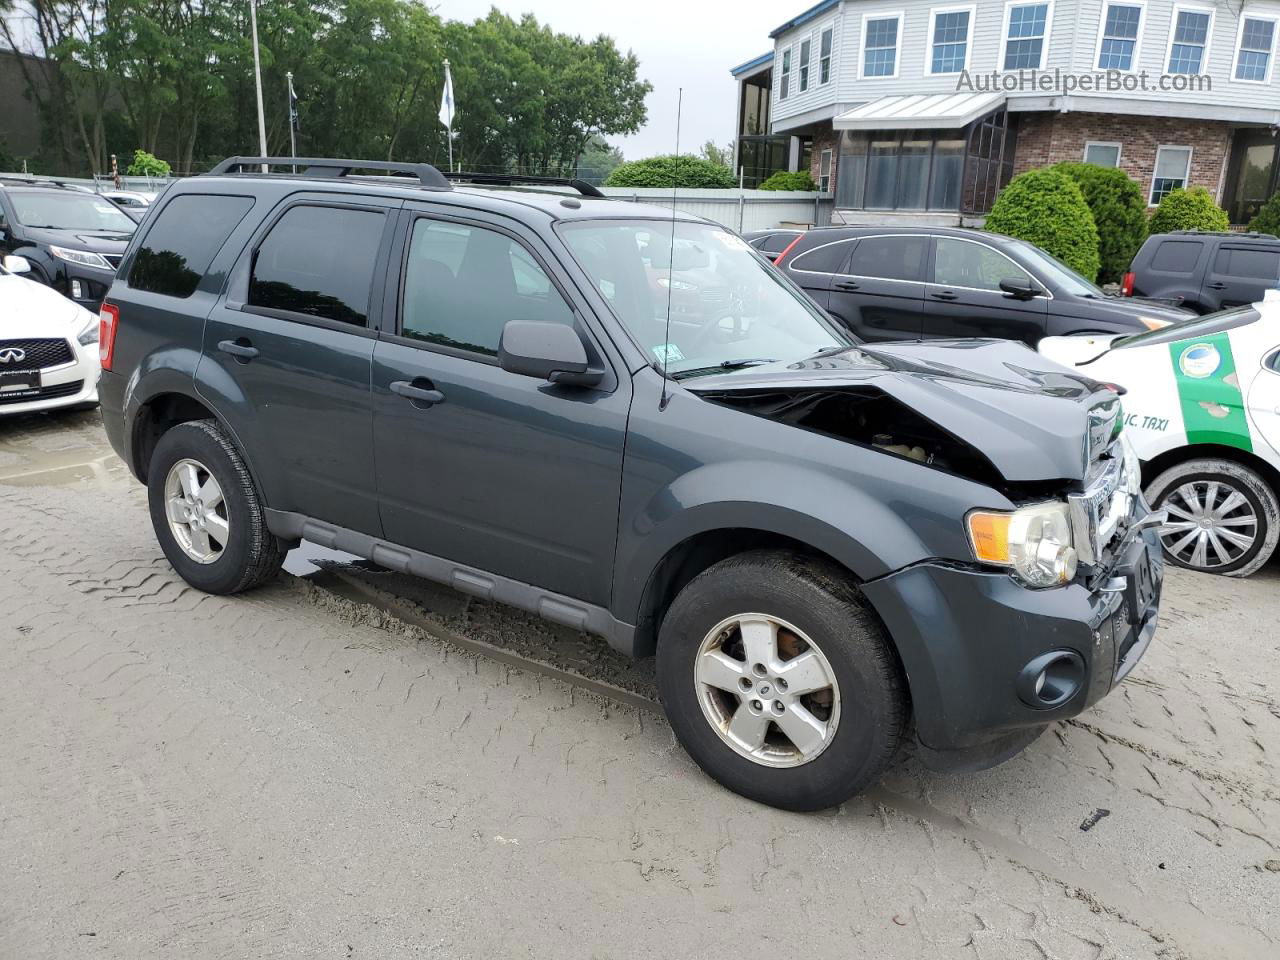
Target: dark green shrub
782,180
671,171
1045,207
1119,212
1268,218
1190,209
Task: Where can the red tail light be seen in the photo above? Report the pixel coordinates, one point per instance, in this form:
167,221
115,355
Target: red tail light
778,262
108,324
1126,285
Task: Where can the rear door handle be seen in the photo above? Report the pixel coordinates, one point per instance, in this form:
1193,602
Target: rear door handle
240,349
846,285
1216,286
424,396
945,295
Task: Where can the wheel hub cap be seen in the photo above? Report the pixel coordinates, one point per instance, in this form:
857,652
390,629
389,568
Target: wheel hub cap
1211,524
196,511
767,690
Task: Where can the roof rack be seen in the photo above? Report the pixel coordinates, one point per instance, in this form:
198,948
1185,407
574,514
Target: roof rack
1234,234
517,179
35,181
328,168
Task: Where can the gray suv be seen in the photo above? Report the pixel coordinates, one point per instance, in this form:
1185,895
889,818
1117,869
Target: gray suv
832,549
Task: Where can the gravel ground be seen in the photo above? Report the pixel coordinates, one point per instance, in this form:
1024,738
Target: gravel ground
314,770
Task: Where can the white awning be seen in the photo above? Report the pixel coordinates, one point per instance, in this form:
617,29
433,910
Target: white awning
944,110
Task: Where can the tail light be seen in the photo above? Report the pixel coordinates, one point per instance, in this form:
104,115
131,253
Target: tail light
778,261
108,324
1126,285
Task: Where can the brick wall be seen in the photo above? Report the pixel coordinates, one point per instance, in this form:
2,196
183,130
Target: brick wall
824,138
1045,138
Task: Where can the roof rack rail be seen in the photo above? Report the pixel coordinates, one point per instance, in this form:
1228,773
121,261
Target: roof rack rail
517,179
328,168
1234,234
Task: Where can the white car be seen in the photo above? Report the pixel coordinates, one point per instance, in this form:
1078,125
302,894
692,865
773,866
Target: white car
48,346
1202,409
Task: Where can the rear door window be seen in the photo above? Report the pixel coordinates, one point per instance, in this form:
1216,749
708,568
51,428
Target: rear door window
828,258
182,242
318,261
890,258
1255,263
777,243
1176,256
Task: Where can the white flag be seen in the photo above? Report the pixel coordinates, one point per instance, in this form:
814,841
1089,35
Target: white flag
446,98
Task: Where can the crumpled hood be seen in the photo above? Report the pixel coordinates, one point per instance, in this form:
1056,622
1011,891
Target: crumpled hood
1031,418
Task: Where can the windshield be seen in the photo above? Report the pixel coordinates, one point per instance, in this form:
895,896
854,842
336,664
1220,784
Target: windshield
729,309
1057,272
69,211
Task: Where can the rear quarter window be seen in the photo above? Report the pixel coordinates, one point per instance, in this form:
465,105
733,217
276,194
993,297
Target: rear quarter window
1257,263
828,258
1176,256
182,242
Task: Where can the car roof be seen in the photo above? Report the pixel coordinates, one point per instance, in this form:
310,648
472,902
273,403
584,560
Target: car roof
820,235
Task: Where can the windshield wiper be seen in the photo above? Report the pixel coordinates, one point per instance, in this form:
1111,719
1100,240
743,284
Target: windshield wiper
723,365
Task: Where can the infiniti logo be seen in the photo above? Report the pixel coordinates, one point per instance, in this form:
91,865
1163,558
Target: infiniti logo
12,355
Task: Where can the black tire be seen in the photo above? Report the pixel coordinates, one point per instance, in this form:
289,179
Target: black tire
252,555
825,604
1231,476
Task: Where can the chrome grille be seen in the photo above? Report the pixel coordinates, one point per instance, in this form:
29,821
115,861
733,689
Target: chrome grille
1096,514
37,354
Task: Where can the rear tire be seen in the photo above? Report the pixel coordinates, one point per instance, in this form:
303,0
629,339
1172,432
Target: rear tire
207,513
1241,510
817,748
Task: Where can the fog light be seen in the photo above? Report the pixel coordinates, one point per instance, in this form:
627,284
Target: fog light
77,293
1051,679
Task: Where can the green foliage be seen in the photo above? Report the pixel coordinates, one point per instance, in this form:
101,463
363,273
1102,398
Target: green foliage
1045,207
684,170
782,180
1192,209
1119,212
598,160
1268,218
147,165
720,156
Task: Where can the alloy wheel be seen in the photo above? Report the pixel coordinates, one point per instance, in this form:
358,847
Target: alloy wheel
196,511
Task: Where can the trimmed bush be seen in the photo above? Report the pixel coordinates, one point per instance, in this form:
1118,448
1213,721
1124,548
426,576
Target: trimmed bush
1190,209
782,180
1045,207
671,171
147,165
1119,212
1268,218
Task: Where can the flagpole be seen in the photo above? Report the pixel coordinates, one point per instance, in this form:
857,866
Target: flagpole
450,125
257,81
293,140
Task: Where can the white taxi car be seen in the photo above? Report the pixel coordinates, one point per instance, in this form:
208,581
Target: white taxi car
1202,409
48,346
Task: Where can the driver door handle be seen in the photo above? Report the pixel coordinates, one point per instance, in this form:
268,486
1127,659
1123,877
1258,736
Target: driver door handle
240,349
846,285
425,396
1216,286
945,295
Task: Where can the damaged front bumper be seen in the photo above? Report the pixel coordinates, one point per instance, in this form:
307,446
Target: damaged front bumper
991,663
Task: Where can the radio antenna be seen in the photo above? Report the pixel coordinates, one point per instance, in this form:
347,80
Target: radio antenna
671,258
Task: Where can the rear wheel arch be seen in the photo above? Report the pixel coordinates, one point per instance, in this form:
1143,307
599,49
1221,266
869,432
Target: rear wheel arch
156,417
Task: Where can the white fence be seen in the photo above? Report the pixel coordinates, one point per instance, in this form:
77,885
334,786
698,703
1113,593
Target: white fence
740,210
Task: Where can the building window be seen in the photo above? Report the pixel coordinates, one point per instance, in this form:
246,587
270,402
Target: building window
1253,59
824,62
1119,42
1190,40
950,40
1102,154
784,81
1025,36
824,171
804,66
880,46
1173,167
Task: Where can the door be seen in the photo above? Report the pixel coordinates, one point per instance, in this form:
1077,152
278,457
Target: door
879,293
813,270
515,476
1239,274
964,299
288,355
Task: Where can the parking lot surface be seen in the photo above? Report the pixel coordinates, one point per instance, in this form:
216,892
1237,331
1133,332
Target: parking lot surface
353,765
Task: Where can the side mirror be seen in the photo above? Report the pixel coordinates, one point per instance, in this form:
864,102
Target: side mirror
547,351
16,264
1020,288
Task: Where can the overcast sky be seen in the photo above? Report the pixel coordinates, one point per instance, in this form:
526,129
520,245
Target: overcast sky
680,43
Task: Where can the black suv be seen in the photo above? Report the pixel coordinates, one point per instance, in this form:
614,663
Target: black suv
828,546
904,283
73,239
1205,271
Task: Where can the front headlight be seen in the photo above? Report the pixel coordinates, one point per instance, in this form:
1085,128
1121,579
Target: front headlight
86,258
88,333
1034,541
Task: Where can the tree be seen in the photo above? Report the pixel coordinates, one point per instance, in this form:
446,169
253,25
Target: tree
1268,218
684,170
598,160
147,165
1119,212
1192,209
1045,207
720,156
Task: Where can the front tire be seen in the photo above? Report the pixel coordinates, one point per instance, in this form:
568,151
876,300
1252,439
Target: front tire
1223,517
778,680
206,511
